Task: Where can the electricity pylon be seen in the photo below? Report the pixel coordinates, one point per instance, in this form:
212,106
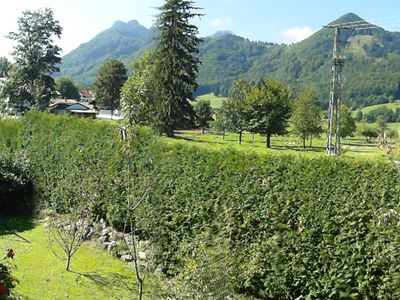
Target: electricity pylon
333,133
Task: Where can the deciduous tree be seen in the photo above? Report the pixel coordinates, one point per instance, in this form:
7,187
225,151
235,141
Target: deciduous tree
347,122
67,88
108,84
268,109
36,58
140,91
234,107
203,114
307,116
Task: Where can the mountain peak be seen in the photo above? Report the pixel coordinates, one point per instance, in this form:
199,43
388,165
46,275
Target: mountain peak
346,18
222,33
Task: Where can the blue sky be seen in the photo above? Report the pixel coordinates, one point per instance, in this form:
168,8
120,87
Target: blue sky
273,21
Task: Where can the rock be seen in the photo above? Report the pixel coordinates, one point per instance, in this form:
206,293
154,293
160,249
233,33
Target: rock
141,255
105,245
103,239
127,258
111,246
103,223
116,236
105,232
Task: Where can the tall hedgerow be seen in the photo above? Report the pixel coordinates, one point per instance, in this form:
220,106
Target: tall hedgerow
287,227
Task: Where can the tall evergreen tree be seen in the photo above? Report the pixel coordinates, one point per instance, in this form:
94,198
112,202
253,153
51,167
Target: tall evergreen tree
108,85
178,64
36,58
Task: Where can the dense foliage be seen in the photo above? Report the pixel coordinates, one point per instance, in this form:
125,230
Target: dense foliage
108,84
268,227
67,89
15,184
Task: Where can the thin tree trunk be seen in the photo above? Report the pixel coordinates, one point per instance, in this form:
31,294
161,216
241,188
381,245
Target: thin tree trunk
223,134
240,137
311,138
252,138
304,143
202,130
268,144
68,263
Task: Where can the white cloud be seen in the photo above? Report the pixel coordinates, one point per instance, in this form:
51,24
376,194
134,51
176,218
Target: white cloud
296,34
222,23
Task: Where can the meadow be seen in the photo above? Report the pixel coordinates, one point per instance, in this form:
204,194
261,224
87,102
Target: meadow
354,147
41,275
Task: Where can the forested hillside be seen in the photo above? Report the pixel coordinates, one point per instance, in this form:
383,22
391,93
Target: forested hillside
371,72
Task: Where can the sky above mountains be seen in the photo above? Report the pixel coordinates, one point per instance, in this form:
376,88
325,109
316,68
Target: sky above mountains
284,21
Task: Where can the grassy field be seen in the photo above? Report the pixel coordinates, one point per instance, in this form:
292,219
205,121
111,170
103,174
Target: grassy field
281,145
95,274
392,106
215,101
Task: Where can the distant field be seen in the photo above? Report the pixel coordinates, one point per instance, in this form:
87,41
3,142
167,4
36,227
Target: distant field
215,101
392,106
355,147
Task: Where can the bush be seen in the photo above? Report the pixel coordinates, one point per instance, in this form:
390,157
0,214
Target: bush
288,227
15,186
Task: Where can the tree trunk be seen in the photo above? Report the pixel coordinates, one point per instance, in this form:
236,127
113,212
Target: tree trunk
202,130
268,144
304,143
68,263
252,138
240,137
223,134
311,137
141,286
112,113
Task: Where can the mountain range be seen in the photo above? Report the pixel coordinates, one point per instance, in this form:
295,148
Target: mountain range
371,72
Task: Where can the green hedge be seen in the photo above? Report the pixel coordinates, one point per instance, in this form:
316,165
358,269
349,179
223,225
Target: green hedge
15,184
294,228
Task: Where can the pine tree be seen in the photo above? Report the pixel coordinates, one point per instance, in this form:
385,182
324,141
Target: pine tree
178,64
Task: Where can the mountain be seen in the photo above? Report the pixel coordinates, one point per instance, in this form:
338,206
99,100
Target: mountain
125,41
371,72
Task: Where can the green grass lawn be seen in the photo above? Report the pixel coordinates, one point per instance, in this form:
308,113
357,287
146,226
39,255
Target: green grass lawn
215,101
95,274
356,147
